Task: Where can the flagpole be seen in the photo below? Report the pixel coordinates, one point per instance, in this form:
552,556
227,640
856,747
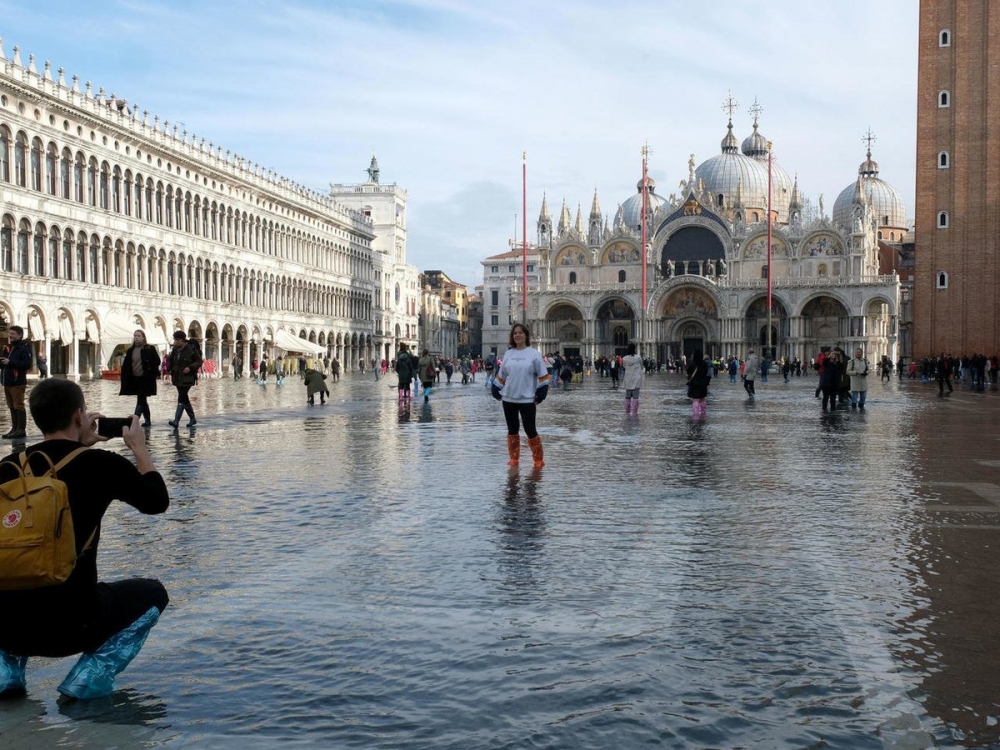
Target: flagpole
524,235
770,272
645,212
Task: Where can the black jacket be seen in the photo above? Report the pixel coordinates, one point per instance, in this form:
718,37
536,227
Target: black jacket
15,372
146,384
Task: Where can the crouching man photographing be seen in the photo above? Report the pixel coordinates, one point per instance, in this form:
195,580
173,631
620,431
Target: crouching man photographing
107,623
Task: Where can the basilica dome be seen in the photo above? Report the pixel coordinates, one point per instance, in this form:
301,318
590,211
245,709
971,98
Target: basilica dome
890,211
730,172
630,212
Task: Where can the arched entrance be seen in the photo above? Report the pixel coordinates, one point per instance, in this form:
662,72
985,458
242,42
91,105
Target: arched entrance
756,328
686,321
825,322
564,330
615,327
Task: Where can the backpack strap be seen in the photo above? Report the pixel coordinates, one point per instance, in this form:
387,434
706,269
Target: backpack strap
69,457
53,468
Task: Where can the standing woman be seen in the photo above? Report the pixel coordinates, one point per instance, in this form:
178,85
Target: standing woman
140,371
698,379
633,380
185,359
521,383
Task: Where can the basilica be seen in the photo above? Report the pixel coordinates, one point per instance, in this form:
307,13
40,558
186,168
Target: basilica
707,266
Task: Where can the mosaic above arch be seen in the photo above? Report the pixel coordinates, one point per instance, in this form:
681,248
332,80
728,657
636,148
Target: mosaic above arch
821,245
756,249
621,252
571,256
687,300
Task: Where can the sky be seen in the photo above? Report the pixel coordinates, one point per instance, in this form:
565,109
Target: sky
448,94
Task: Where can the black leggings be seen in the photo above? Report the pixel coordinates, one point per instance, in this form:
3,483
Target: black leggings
142,407
526,412
116,606
182,395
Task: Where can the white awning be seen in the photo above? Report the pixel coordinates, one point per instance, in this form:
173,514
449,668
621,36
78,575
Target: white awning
115,329
66,330
291,343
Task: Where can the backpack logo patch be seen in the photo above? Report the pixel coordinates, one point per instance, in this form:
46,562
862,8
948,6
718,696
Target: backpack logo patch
12,519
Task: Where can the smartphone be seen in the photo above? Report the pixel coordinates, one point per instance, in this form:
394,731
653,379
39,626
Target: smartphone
112,427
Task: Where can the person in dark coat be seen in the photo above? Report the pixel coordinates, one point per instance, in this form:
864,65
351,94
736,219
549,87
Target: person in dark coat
829,379
140,371
698,380
15,361
185,359
315,382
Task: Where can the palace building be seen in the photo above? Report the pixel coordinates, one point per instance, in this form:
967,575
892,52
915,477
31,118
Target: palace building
112,220
707,267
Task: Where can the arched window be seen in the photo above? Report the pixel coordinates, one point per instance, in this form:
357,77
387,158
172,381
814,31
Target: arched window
116,191
944,38
20,160
81,257
92,182
944,99
38,247
942,220
79,167
105,175
65,169
67,254
4,154
23,233
36,165
755,216
51,160
821,269
944,162
6,245
941,280
880,234
763,271
621,277
572,277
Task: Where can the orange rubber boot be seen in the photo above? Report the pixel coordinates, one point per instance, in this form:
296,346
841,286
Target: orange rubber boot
537,454
514,449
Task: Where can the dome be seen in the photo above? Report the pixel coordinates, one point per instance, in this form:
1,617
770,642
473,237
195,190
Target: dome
890,211
724,173
630,212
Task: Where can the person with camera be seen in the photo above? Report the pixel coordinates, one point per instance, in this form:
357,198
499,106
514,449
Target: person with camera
106,623
857,368
140,371
185,359
15,361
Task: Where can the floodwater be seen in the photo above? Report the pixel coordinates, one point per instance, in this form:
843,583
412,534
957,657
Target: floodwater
351,575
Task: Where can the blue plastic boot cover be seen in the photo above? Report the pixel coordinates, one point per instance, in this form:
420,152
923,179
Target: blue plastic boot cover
93,676
12,681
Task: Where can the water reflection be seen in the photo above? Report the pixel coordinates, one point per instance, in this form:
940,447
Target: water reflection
520,527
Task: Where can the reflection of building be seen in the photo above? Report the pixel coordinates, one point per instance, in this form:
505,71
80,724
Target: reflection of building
112,220
707,267
958,179
455,294
396,294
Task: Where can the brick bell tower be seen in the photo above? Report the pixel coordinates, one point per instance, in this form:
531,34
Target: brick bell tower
957,284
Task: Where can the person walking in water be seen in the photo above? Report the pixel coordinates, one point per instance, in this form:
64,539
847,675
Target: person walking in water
521,384
750,373
140,370
185,359
426,372
698,380
632,380
405,367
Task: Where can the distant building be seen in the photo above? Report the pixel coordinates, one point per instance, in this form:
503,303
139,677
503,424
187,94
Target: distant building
958,179
456,294
502,274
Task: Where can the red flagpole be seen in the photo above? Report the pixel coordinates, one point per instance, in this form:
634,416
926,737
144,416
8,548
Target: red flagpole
524,234
645,212
769,258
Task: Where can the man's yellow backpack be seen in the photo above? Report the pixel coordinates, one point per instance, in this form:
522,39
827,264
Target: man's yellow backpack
37,544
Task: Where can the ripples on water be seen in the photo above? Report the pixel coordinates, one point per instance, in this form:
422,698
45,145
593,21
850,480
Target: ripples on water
349,576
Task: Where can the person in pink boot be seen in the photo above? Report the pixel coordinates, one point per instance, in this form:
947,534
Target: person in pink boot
632,380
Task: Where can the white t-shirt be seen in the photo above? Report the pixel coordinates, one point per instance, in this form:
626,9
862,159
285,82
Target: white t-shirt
521,373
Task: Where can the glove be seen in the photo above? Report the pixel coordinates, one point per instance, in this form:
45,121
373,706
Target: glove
496,392
541,393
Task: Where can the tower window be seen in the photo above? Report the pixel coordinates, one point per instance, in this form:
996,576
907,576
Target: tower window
720,200
944,99
572,277
944,38
941,280
942,220
621,277
944,161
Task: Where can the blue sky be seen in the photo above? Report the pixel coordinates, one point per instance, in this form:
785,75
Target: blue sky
448,93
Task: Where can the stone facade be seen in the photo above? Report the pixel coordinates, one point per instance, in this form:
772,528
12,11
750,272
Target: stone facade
112,220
